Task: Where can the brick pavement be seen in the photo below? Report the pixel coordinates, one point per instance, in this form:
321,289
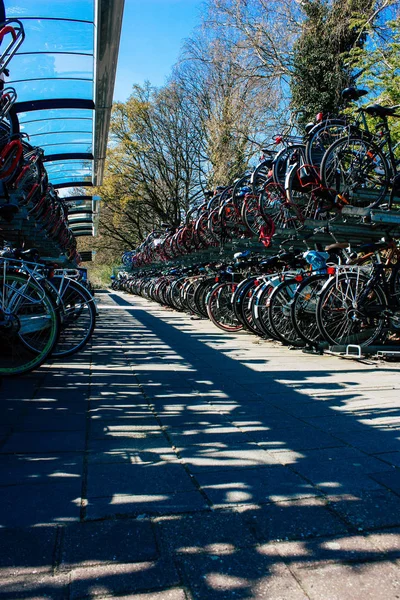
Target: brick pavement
171,461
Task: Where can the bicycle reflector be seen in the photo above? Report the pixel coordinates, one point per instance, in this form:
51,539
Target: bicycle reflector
298,277
217,279
319,116
331,270
278,139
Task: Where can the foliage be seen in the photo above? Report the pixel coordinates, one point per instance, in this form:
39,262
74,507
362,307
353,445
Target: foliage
320,71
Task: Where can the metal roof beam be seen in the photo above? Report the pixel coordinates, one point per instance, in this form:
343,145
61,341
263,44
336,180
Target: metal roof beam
109,23
53,103
72,184
72,156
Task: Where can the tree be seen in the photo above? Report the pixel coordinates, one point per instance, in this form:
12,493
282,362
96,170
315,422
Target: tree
228,107
321,70
151,175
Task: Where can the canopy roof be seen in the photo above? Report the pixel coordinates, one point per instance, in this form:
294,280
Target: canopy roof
64,74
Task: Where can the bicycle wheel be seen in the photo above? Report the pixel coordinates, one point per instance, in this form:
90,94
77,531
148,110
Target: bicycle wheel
284,159
357,170
220,309
303,309
344,316
247,312
275,205
321,137
176,297
78,316
201,293
280,314
190,296
29,324
259,308
310,203
261,175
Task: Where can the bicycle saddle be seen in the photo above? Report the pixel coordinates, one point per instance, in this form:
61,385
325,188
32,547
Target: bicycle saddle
239,255
376,110
352,93
308,127
337,246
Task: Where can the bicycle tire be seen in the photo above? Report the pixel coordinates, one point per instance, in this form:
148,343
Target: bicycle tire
220,310
78,317
322,136
304,308
357,170
30,320
280,315
338,319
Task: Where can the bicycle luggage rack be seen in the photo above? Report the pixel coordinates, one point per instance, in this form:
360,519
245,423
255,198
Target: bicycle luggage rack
356,211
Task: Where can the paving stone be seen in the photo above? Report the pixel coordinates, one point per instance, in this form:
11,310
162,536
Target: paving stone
344,476
27,505
87,544
24,551
334,423
53,422
204,459
173,594
240,574
115,580
205,532
253,486
251,421
301,438
372,581
40,468
322,456
392,458
371,442
298,519
321,552
49,441
368,510
129,441
388,542
105,429
113,479
389,479
141,503
34,587
207,436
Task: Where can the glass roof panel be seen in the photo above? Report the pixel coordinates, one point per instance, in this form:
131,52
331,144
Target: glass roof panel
63,148
54,66
57,164
73,9
37,129
62,113
53,88
42,35
70,167
66,192
63,137
70,178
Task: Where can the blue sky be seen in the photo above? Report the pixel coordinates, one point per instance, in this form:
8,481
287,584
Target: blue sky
152,35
